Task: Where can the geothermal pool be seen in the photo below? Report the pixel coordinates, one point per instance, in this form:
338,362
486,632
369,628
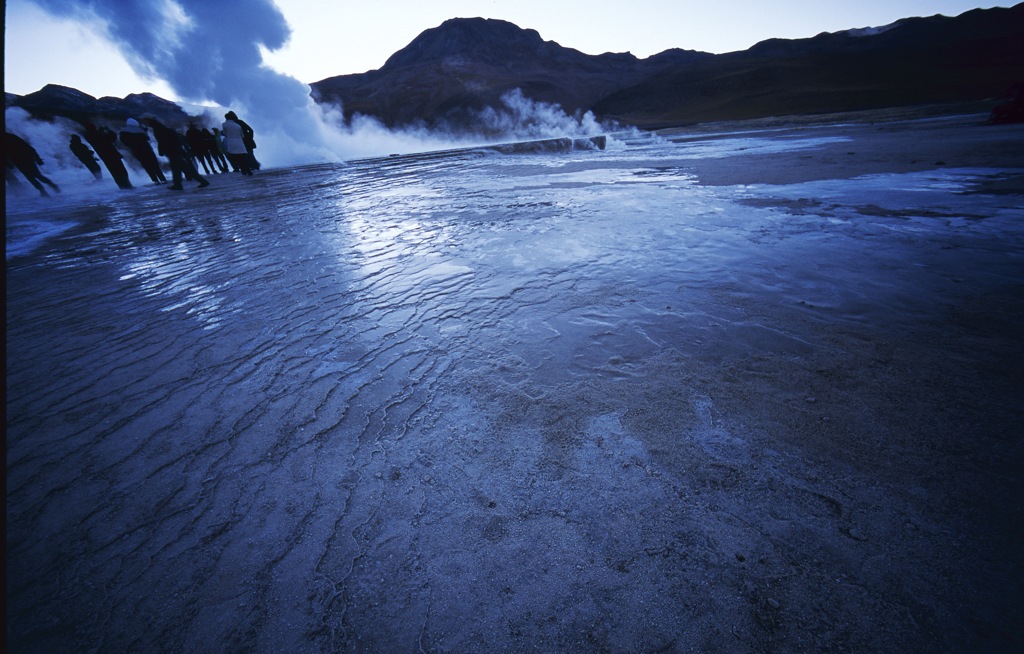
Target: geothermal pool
558,402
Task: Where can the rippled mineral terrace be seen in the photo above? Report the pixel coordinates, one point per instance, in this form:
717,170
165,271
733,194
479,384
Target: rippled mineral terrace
558,402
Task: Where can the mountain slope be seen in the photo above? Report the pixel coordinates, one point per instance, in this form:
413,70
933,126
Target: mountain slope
55,100
976,56
466,64
449,73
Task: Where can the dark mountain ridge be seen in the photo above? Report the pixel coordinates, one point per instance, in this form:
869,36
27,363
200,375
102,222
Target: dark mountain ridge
447,74
55,100
976,56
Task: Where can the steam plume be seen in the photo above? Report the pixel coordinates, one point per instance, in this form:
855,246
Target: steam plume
210,50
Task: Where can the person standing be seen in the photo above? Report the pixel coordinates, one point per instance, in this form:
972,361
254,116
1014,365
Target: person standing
199,150
137,141
86,156
213,145
249,138
219,136
170,144
102,140
234,143
24,157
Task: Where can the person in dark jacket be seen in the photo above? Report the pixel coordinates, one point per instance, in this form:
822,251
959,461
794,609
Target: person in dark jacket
249,138
103,141
234,143
171,145
218,136
191,174
137,141
199,149
86,156
24,157
213,146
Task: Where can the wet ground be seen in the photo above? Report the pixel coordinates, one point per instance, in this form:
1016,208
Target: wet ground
736,392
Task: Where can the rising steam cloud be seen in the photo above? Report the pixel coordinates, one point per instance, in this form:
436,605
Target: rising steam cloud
210,50
205,49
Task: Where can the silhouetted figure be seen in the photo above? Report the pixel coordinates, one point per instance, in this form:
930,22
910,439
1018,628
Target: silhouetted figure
137,141
234,143
248,137
86,156
200,150
250,144
224,151
24,157
103,141
172,145
215,148
191,173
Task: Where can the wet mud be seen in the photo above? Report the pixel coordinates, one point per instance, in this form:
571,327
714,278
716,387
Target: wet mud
685,393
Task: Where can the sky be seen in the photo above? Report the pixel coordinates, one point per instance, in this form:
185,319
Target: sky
343,37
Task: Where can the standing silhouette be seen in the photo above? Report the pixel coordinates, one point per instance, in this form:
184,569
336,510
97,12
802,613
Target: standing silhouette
250,144
214,147
199,148
191,172
102,140
137,141
222,148
234,143
248,137
86,156
24,157
172,145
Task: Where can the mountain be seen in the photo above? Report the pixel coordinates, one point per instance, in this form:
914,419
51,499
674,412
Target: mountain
55,100
449,73
976,56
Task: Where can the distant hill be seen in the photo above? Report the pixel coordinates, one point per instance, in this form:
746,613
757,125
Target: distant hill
55,100
976,56
450,72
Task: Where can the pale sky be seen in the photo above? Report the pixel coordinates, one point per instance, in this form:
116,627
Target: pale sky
342,37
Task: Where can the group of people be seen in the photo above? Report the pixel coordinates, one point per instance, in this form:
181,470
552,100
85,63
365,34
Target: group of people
231,146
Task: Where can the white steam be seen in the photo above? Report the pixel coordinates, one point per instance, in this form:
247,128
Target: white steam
51,139
521,118
211,52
